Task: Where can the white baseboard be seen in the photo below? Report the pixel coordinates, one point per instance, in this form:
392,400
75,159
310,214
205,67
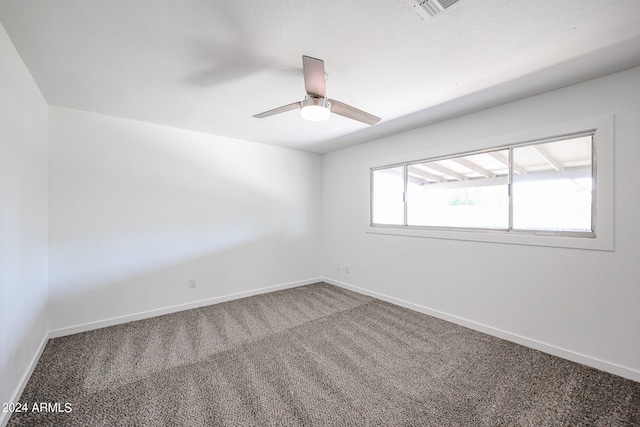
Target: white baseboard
573,356
173,309
4,416
612,368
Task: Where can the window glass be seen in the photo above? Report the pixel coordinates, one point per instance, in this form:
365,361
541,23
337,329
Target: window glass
552,186
468,191
387,196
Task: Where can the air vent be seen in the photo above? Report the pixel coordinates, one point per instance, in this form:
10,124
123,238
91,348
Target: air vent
430,9
447,3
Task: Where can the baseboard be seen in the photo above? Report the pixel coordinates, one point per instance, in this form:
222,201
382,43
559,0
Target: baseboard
173,309
573,356
612,368
4,416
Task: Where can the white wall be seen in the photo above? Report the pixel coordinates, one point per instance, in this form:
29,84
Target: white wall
138,209
581,304
23,220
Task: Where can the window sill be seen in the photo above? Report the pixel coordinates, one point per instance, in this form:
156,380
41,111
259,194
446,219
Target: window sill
588,242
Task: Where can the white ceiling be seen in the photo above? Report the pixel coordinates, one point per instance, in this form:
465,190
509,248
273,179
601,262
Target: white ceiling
209,65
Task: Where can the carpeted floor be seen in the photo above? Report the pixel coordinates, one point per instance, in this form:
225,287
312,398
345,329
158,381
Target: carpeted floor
315,355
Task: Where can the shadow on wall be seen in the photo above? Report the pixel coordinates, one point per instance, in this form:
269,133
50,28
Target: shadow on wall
254,265
137,209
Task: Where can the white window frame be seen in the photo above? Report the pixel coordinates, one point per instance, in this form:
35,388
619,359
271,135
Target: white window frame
602,214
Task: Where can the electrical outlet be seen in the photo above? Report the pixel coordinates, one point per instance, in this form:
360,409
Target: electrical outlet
338,266
192,283
347,269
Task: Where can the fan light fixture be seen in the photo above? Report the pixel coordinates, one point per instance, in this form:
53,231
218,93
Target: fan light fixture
315,109
316,106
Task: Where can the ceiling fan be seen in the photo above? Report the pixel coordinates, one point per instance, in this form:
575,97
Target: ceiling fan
316,106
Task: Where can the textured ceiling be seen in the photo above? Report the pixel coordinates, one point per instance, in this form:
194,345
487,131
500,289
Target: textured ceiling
210,65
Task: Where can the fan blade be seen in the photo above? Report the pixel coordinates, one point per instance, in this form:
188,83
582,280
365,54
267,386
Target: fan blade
352,113
314,81
278,110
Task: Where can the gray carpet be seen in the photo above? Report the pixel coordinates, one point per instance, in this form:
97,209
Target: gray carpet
314,355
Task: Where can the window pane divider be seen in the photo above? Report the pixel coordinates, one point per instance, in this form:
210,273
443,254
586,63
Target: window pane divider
510,190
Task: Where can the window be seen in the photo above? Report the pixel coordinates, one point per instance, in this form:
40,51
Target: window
556,194
387,195
469,191
541,187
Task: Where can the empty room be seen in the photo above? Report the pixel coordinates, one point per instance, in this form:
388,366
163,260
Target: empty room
312,213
